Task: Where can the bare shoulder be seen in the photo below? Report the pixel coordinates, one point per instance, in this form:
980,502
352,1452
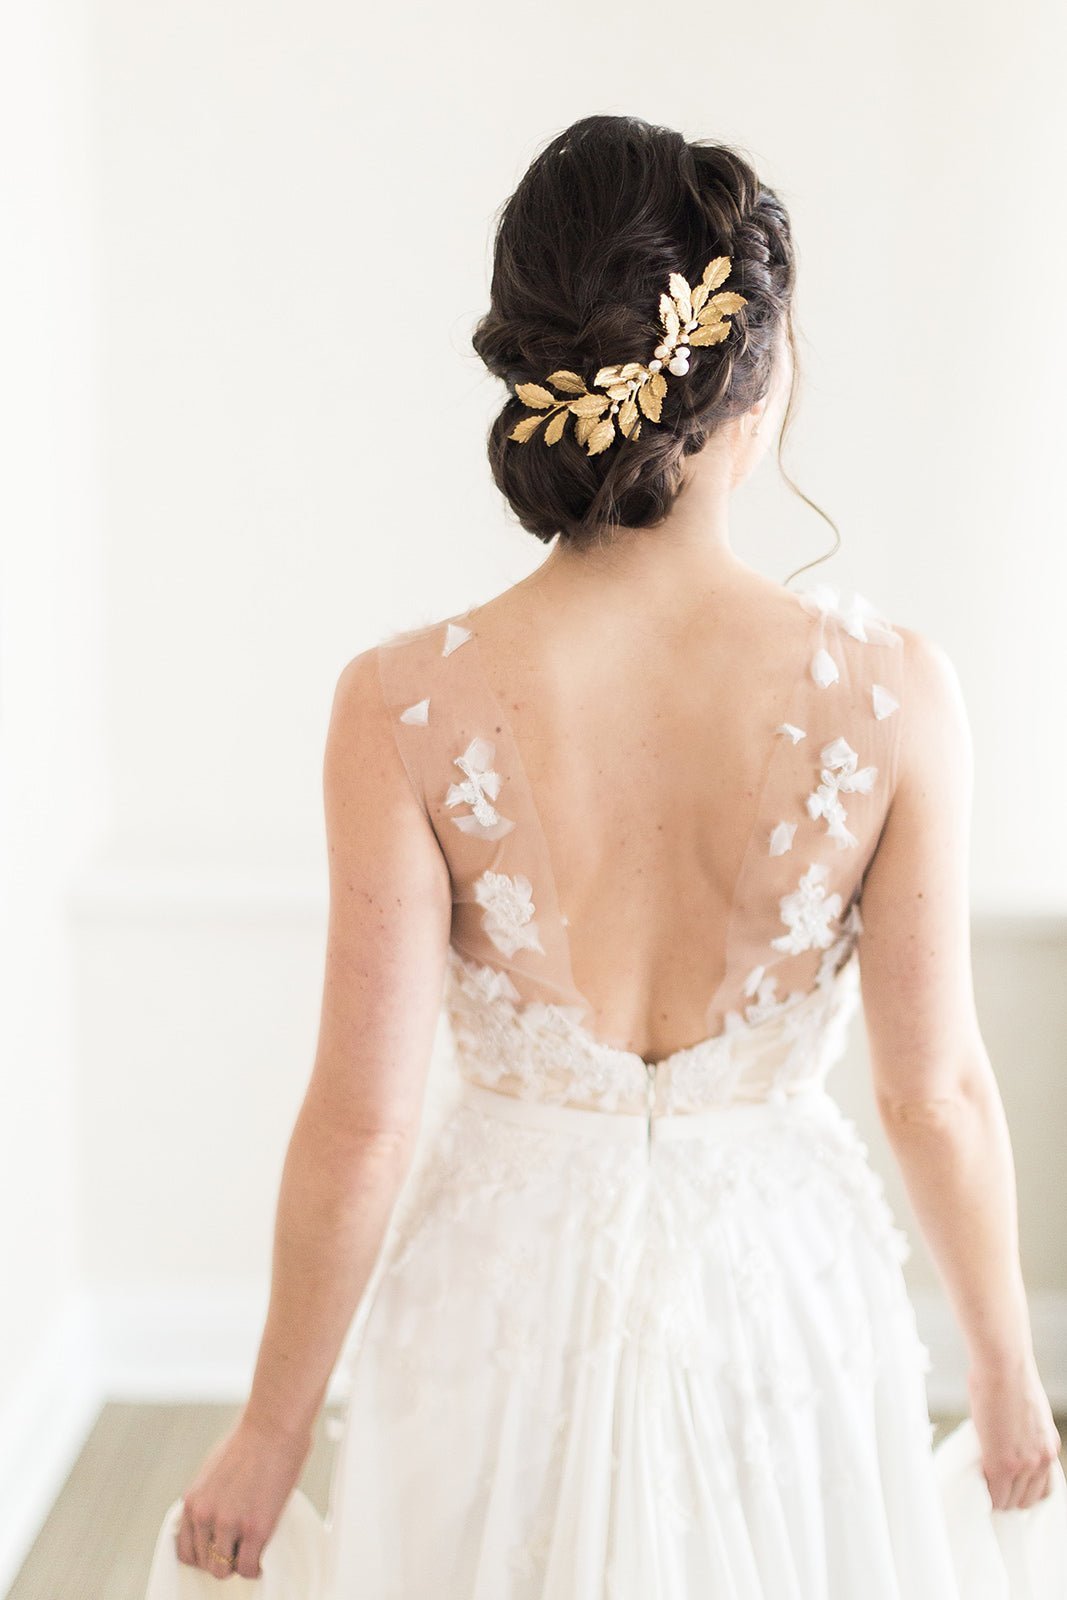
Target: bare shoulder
357,714
367,791
388,926
935,728
918,994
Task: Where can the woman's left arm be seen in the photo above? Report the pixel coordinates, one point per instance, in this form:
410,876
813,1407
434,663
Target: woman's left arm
352,1144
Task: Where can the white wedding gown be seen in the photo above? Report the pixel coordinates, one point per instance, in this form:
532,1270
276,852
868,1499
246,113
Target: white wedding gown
640,1331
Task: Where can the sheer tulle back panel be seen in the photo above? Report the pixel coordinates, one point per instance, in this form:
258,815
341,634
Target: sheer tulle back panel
779,908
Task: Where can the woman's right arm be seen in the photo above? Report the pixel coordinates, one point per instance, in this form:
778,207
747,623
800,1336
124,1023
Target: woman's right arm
936,1091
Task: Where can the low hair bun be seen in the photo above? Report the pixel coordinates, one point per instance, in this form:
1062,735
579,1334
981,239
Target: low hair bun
584,248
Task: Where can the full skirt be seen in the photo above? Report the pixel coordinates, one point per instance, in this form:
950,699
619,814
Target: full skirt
599,1362
607,1361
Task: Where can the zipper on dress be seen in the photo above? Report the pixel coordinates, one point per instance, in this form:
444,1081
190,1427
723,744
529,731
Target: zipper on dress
651,1071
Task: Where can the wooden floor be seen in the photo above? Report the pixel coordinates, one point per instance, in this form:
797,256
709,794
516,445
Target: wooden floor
97,1543
98,1540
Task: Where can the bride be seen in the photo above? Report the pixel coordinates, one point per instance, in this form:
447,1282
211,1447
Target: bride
651,826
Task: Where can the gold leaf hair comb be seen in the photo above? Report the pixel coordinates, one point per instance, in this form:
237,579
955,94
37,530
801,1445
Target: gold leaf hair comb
632,389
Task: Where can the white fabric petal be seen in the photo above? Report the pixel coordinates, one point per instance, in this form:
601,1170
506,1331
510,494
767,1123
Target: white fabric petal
782,838
843,836
820,598
754,979
824,668
860,782
419,713
484,830
454,637
864,621
795,733
838,753
884,703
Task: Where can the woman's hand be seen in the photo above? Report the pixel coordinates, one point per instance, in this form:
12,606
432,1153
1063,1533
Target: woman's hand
233,1504
1015,1427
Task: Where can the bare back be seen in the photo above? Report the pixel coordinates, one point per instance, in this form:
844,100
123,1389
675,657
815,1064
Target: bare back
664,833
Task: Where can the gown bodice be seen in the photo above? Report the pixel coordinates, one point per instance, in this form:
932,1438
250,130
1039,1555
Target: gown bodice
776,1020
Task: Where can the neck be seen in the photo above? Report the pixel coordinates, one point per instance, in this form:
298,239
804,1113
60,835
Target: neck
664,569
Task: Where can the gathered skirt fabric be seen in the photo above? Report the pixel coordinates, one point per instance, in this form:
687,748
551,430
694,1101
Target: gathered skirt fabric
607,1360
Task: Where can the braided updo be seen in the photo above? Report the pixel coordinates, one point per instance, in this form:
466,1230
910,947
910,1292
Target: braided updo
583,249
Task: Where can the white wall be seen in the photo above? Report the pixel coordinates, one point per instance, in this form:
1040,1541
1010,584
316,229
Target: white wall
291,216
52,777
288,469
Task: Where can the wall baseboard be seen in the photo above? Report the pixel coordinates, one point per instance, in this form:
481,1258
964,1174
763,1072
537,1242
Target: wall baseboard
946,1382
200,1345
43,1428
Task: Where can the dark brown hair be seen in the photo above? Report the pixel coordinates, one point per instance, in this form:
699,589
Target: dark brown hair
584,247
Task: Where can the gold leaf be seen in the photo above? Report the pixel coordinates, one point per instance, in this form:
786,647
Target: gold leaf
618,391
700,294
710,313
680,291
713,333
583,427
631,369
532,394
569,382
658,384
651,404
601,436
554,428
717,271
607,375
627,416
589,405
668,315
524,429
728,301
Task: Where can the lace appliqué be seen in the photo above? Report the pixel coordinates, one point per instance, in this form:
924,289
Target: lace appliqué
538,1050
509,910
839,775
480,787
541,1050
807,912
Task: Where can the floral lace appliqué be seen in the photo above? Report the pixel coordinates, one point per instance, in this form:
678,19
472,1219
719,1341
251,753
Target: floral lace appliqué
509,910
839,775
480,787
807,912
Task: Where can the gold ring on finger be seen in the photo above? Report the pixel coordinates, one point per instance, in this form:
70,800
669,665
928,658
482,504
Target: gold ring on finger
215,1554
